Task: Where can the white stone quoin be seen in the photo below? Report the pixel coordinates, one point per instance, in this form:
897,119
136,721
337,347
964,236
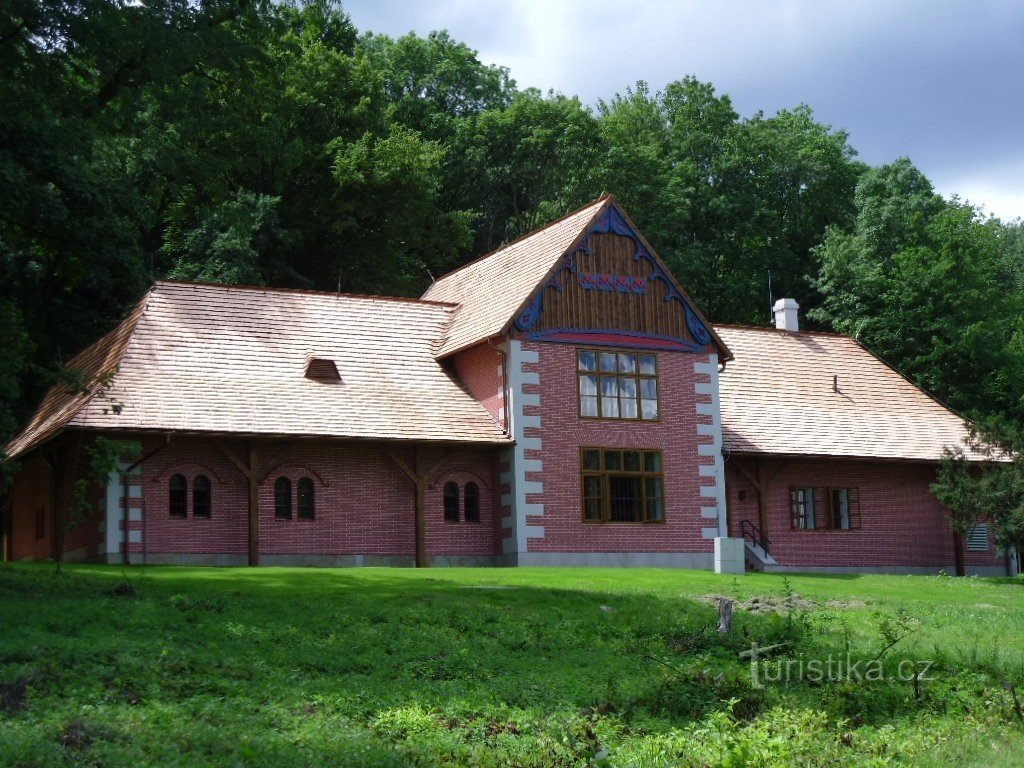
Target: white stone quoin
730,554
787,317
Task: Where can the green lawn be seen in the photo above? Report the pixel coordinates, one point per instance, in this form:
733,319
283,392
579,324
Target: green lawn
526,667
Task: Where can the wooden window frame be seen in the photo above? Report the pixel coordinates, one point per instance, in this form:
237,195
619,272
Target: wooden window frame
606,498
445,497
301,511
824,509
171,503
207,508
637,377
471,514
278,515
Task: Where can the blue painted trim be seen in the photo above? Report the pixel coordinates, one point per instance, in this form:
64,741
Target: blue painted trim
612,222
683,346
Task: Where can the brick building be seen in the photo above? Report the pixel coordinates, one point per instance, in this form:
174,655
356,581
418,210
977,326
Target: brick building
560,401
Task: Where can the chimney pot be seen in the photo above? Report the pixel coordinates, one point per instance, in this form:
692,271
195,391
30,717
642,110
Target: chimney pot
787,316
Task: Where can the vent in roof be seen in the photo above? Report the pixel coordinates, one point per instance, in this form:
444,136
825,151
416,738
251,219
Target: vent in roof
322,369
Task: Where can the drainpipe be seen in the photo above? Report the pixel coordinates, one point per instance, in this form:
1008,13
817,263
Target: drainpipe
507,426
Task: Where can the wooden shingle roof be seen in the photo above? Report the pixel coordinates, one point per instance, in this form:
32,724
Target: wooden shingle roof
491,290
777,397
228,359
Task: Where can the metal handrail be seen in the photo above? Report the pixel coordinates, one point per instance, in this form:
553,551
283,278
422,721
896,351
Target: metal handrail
752,532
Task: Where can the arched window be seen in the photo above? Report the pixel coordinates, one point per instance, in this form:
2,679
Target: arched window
201,496
178,496
306,505
471,502
451,502
283,498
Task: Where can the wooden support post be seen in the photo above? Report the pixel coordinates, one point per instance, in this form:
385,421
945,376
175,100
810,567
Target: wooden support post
762,481
421,513
254,504
8,526
762,499
251,471
420,476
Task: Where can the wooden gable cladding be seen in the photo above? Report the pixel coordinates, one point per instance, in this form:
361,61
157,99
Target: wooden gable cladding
611,289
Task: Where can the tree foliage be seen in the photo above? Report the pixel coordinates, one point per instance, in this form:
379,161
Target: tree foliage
992,494
930,286
249,141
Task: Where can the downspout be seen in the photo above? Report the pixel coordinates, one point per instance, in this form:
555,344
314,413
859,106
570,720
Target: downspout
507,425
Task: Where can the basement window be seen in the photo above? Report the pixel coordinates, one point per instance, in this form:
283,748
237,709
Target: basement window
322,369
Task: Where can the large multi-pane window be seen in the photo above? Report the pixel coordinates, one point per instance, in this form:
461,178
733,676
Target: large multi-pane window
622,486
618,385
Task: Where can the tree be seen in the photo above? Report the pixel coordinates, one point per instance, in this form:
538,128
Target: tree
520,166
993,493
726,200
929,286
433,83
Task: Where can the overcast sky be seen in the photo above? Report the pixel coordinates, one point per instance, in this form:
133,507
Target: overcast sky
939,81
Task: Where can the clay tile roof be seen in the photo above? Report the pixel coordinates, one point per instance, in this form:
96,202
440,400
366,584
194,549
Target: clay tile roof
229,359
777,397
491,290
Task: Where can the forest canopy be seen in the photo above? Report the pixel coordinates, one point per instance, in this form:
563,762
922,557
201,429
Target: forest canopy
272,143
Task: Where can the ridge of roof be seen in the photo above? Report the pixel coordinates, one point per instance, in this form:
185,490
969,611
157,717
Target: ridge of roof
522,237
303,291
780,331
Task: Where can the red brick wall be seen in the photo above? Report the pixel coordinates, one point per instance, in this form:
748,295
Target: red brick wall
32,490
902,523
364,503
480,370
225,532
464,538
563,432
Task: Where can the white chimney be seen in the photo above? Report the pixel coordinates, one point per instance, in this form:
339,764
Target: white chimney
786,315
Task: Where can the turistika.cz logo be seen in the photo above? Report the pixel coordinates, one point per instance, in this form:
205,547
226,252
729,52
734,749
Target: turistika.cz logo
766,668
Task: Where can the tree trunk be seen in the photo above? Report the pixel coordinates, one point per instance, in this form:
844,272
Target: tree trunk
724,616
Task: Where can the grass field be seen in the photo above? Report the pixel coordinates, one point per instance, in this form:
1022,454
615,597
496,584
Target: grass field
520,667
